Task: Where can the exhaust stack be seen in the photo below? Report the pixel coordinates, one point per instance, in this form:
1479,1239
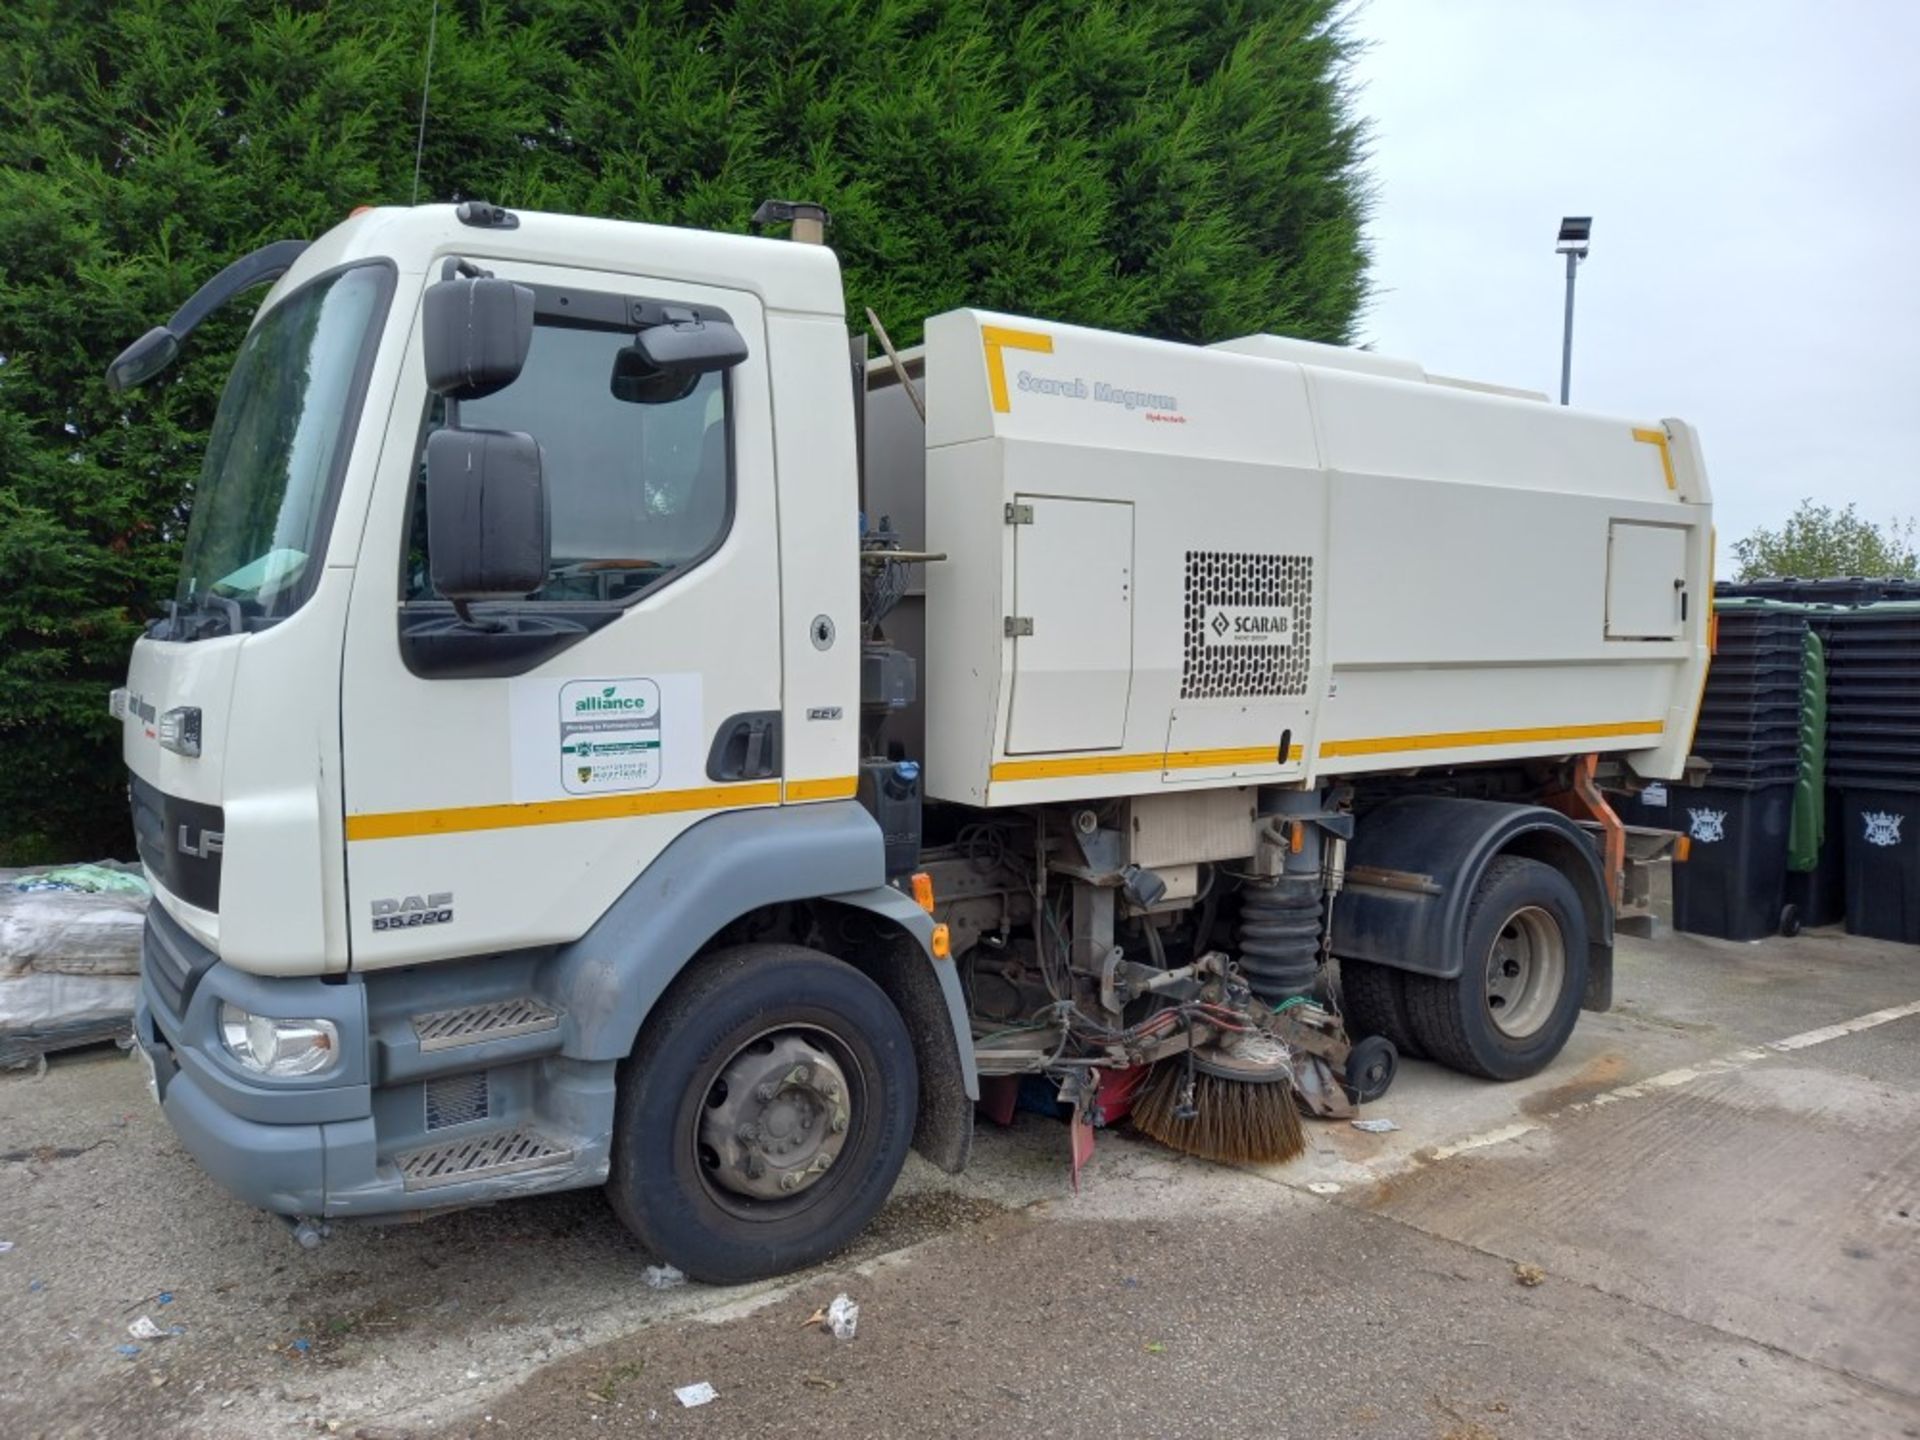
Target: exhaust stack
807,221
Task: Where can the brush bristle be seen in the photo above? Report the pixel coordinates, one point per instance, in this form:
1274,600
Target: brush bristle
1236,1123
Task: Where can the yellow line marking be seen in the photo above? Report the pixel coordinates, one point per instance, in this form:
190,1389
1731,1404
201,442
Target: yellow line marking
1078,766
1463,739
399,824
995,338
838,787
1658,438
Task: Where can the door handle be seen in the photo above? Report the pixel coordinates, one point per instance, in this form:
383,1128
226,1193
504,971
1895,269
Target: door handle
747,747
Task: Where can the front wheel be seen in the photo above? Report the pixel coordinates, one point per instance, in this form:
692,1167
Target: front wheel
764,1115
1515,1001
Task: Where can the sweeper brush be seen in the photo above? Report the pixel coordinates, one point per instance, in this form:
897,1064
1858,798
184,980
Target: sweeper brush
1233,1104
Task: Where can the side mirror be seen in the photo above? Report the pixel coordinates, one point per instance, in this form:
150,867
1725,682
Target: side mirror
143,359
638,381
694,346
477,333
486,515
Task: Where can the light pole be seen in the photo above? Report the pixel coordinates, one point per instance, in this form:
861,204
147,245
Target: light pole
1574,233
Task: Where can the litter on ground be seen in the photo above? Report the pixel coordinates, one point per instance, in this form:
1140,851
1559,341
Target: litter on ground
1376,1127
843,1317
663,1277
698,1393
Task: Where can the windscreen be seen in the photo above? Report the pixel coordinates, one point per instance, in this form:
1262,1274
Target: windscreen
261,507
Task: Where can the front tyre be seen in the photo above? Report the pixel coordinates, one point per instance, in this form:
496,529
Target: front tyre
1515,1001
764,1114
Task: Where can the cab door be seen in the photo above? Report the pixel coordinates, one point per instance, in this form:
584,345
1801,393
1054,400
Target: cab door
506,781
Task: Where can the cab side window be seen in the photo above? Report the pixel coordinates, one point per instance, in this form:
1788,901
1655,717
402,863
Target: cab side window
639,490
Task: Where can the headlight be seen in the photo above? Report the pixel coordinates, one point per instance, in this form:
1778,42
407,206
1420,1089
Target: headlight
279,1047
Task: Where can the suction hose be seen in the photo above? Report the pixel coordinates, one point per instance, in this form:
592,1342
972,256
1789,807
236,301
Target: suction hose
1280,917
1280,936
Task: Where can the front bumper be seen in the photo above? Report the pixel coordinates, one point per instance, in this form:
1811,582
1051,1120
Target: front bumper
273,1143
281,1168
331,1145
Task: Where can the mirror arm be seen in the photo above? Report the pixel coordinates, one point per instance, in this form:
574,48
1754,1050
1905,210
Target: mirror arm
455,266
267,263
264,265
486,625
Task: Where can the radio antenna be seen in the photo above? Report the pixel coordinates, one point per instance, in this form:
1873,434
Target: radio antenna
426,88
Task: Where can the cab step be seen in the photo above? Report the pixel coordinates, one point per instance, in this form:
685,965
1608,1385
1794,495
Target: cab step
478,1157
477,1024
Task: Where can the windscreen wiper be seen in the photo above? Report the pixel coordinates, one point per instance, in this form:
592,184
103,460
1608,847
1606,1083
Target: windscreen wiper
200,615
155,350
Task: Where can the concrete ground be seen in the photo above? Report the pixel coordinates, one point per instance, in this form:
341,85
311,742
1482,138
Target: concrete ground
1702,1220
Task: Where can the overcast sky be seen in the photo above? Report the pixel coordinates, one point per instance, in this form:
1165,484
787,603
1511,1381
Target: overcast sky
1753,170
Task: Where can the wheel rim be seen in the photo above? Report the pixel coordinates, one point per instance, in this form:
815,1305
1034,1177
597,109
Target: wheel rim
1526,968
776,1116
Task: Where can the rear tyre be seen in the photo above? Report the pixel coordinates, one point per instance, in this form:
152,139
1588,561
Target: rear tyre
764,1115
1515,1001
1373,1001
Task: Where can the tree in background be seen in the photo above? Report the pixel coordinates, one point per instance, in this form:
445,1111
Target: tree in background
1818,541
1172,167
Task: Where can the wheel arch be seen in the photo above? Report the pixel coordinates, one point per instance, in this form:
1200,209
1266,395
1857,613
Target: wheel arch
889,938
1413,865
829,856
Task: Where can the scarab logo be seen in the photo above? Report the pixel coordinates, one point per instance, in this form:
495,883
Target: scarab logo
1707,825
1235,625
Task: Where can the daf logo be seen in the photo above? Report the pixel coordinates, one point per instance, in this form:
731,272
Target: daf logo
210,843
412,911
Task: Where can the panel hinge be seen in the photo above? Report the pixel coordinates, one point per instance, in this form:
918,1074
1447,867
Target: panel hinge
1019,514
1017,625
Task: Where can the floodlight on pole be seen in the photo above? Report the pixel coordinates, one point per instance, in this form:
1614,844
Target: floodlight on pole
1575,232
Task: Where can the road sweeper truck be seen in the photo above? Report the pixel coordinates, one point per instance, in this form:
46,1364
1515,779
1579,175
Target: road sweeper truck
609,731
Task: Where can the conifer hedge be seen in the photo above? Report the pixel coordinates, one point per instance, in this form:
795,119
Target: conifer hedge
1170,167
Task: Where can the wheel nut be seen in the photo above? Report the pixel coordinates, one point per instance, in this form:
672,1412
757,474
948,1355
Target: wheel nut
765,1092
790,1181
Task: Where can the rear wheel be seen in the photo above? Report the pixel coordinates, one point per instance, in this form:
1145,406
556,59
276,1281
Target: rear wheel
1515,1001
764,1115
1373,1001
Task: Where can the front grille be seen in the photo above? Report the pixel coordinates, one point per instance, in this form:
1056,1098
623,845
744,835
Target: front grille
181,842
172,959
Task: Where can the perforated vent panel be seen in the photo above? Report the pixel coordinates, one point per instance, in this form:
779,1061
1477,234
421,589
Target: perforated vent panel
1248,622
456,1099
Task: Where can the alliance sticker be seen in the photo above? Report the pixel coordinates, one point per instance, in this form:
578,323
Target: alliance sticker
609,736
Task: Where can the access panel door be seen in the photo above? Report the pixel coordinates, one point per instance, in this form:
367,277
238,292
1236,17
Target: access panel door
1646,581
1072,625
